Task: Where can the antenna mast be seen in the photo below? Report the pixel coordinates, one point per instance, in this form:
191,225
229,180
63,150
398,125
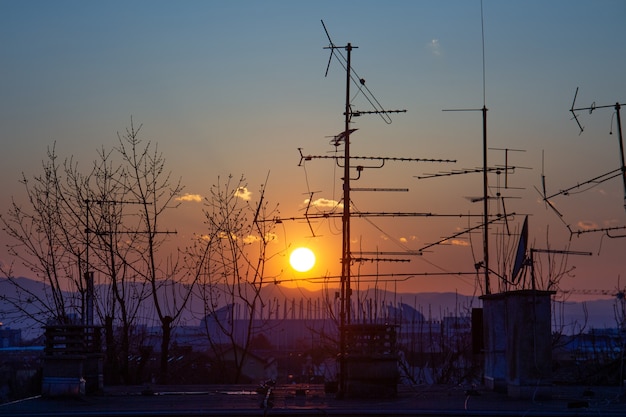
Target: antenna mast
346,255
345,290
345,218
485,169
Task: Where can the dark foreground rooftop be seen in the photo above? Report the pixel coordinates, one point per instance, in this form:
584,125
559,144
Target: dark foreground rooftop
311,400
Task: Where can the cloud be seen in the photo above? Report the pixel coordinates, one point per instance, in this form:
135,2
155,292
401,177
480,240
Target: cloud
435,47
611,223
243,193
251,239
196,198
270,237
324,203
457,242
407,239
587,225
224,235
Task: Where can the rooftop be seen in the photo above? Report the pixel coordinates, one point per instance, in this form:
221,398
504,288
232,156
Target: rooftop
302,400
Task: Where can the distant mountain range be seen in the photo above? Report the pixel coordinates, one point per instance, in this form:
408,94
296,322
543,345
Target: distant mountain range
287,302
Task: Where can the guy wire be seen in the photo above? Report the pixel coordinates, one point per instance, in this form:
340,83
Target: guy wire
357,81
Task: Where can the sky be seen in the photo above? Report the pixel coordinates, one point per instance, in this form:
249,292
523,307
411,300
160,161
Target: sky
236,88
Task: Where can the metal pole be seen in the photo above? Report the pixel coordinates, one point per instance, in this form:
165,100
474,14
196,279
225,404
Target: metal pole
345,253
346,260
621,147
485,203
532,269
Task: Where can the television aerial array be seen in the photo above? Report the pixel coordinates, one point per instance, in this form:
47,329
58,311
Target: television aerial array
485,170
353,171
343,55
597,180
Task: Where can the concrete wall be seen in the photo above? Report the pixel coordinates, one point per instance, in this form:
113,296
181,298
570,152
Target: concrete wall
518,351
494,330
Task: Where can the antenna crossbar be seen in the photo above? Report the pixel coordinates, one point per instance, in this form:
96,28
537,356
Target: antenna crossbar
328,215
105,201
357,113
382,159
129,232
480,109
595,181
393,277
498,217
562,252
496,169
380,189
602,229
399,253
358,260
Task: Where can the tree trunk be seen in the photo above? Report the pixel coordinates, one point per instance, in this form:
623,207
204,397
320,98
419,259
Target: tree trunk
111,356
166,326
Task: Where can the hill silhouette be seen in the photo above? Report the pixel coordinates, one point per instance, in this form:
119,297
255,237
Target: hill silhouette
281,301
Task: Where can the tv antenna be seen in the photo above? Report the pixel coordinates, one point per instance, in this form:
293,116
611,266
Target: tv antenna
345,162
485,169
617,106
497,169
531,262
359,82
525,257
464,231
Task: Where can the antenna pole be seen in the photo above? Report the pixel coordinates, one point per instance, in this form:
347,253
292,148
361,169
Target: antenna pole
485,203
485,166
345,249
346,194
345,257
621,147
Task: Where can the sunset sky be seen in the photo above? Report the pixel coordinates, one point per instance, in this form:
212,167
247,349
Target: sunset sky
237,87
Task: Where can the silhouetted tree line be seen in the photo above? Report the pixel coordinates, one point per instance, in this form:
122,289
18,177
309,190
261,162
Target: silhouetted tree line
100,232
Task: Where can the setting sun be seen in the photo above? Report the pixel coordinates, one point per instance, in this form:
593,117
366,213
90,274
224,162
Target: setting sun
302,259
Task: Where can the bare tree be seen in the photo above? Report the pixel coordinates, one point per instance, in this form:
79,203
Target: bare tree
147,182
105,223
46,238
120,295
69,228
233,253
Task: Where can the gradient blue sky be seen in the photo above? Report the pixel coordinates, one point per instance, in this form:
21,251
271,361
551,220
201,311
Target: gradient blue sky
236,87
